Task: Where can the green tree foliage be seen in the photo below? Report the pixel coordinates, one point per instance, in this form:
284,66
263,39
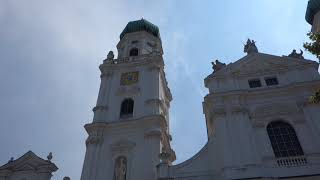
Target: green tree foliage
314,46
315,98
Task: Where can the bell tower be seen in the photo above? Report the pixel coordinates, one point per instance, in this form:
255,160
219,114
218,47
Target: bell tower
130,127
313,15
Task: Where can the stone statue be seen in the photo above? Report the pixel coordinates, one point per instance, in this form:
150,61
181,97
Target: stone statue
110,58
110,55
49,157
120,169
250,47
217,66
294,54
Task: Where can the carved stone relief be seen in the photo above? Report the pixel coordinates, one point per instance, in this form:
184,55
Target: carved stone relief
120,168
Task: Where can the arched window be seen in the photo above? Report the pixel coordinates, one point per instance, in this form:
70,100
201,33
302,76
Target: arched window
126,108
284,140
120,168
134,52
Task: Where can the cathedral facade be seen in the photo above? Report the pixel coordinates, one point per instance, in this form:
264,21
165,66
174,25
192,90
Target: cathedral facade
260,121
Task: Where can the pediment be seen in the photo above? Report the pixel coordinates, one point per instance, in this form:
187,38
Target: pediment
29,162
263,63
25,167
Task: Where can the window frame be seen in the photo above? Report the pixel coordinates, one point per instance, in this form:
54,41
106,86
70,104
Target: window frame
256,80
284,140
271,78
127,108
134,52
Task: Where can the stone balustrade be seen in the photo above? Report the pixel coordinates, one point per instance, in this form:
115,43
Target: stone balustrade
292,161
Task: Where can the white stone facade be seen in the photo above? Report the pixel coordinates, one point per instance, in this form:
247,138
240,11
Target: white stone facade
237,117
238,114
142,136
248,100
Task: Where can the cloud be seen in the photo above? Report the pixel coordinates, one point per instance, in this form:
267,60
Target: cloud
49,73
51,50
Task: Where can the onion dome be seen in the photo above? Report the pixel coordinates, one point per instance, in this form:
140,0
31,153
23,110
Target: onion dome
312,9
140,25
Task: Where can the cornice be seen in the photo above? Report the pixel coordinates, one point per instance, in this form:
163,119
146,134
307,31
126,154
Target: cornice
232,71
106,74
95,127
267,90
239,109
156,132
159,102
100,108
147,59
218,112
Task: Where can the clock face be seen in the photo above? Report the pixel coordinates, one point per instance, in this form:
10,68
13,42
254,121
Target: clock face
129,78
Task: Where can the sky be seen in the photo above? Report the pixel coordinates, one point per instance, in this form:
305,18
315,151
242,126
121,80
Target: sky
50,52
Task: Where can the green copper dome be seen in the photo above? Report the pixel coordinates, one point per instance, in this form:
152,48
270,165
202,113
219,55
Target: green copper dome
141,25
312,9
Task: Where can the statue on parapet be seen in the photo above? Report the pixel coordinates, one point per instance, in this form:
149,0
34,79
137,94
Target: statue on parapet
217,65
250,47
294,54
110,58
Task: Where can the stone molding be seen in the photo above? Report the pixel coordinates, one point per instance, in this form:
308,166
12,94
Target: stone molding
106,74
122,145
133,61
28,163
218,112
94,140
100,108
239,109
258,63
265,114
165,85
128,90
154,67
267,91
95,131
133,122
159,102
156,132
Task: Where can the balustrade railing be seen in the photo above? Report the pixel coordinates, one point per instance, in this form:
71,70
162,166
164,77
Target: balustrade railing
292,161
